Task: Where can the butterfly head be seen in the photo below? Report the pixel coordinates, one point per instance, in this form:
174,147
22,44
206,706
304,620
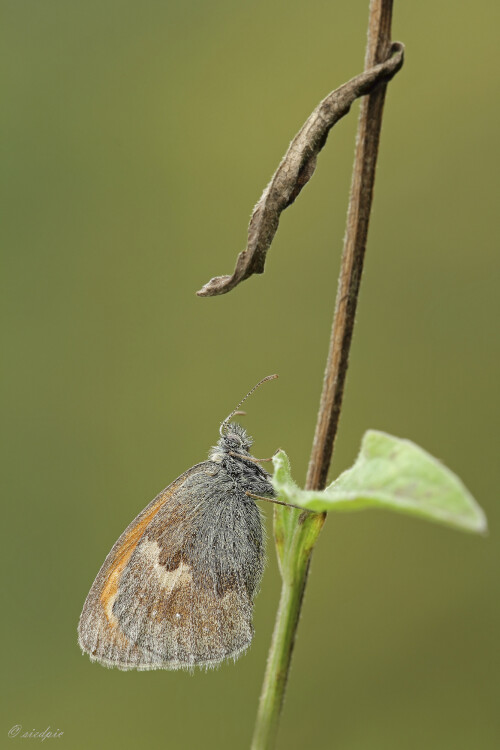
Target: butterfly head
234,439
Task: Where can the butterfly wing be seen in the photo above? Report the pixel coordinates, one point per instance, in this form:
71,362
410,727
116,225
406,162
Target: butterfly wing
153,604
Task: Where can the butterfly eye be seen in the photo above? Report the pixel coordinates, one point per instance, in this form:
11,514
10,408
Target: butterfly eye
234,440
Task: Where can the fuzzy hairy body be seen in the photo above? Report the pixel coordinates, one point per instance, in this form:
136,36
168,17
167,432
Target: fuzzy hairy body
177,588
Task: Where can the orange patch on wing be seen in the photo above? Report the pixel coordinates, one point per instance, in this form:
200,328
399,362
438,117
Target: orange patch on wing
123,555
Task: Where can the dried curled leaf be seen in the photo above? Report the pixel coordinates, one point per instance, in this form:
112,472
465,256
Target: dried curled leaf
296,169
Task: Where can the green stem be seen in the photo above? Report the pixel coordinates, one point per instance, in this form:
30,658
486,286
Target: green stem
294,565
277,666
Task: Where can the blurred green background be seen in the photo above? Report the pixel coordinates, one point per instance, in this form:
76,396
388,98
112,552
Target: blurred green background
136,138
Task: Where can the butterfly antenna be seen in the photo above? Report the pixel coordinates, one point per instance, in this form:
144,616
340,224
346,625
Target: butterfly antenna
224,424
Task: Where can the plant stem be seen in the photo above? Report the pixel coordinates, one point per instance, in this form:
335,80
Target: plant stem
294,570
358,215
296,557
279,656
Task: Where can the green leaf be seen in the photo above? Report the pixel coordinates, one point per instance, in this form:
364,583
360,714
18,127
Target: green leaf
389,473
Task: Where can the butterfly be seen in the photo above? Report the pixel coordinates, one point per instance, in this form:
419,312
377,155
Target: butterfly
177,588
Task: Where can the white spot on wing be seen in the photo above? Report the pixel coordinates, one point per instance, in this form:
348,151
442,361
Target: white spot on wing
168,579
